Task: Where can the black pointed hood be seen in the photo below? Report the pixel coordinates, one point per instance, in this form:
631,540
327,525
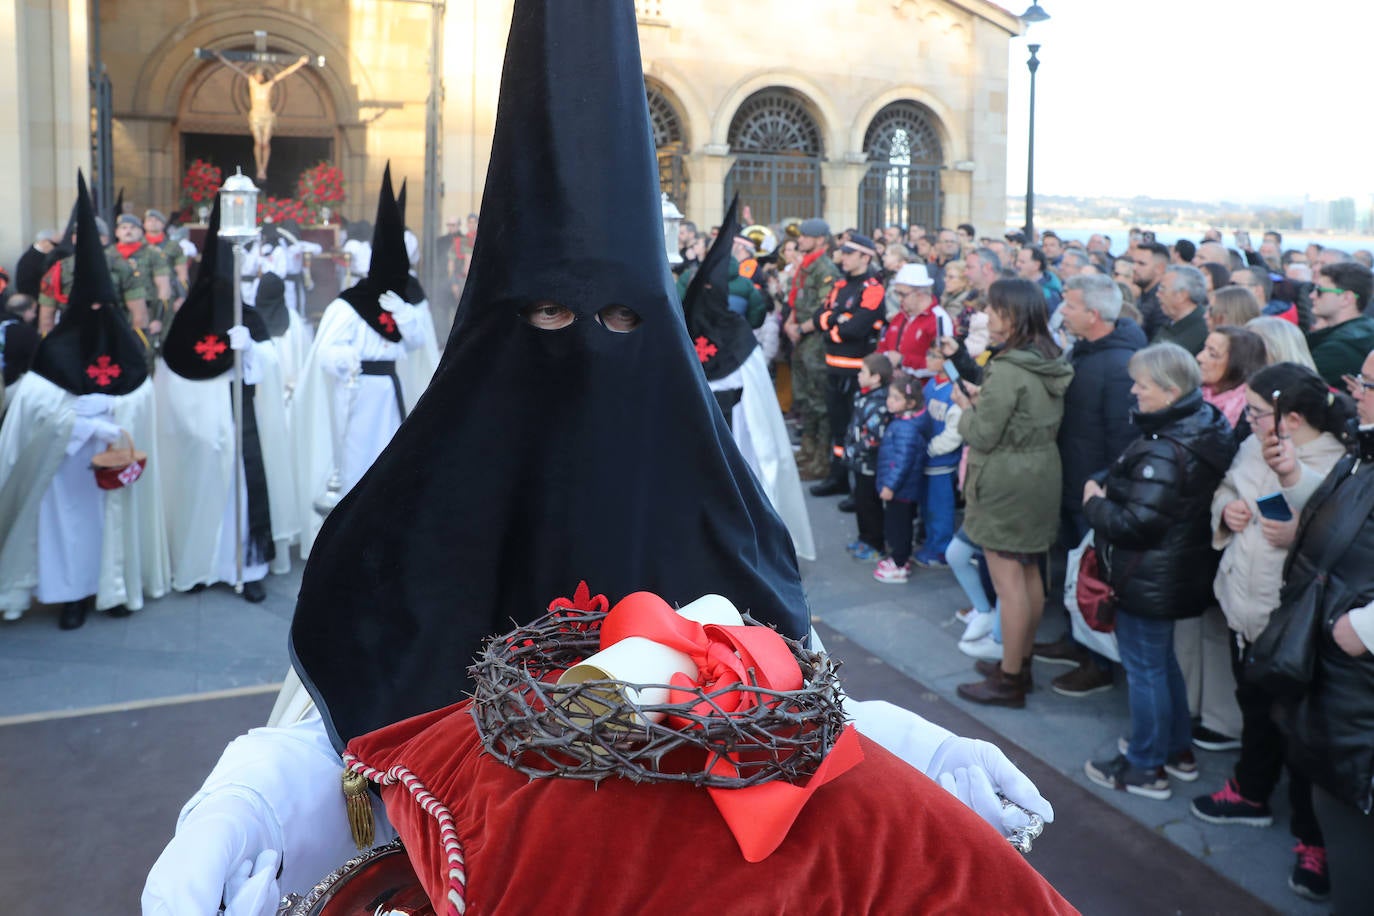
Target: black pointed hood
93,350
389,268
723,340
197,344
538,458
414,293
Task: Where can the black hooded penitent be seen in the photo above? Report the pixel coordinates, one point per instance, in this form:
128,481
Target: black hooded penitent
197,344
723,339
414,293
389,268
538,458
93,350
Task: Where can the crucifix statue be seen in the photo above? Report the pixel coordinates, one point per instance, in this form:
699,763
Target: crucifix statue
261,118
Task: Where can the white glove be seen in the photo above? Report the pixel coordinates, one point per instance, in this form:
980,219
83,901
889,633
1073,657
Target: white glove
105,431
392,302
216,841
975,772
93,405
342,361
252,889
239,338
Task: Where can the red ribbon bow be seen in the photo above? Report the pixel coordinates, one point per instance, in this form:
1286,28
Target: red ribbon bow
726,656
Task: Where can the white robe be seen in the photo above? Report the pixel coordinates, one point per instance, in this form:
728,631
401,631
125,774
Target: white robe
195,422
364,407
417,369
133,558
295,266
292,349
761,435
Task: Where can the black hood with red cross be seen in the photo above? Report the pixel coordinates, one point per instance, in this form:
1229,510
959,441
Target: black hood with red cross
93,349
723,339
568,433
197,345
389,269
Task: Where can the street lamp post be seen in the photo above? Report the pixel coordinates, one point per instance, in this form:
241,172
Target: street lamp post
1030,17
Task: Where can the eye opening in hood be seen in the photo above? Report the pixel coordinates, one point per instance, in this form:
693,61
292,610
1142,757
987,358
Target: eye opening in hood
619,319
547,315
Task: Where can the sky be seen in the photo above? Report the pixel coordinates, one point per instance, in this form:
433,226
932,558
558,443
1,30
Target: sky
1241,100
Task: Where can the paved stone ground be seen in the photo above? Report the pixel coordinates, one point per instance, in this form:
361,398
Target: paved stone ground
211,641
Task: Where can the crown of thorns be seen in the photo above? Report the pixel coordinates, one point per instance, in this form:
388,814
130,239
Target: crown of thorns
589,730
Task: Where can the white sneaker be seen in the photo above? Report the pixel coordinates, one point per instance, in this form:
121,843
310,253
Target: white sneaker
983,647
979,625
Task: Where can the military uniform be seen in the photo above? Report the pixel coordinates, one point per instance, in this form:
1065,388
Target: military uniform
815,276
57,283
172,251
148,264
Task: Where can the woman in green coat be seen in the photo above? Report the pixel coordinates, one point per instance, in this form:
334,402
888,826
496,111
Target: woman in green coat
1012,492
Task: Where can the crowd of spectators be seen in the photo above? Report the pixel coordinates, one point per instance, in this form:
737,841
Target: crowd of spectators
1149,400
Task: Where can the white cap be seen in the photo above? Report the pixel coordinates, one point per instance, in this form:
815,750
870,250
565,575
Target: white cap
913,275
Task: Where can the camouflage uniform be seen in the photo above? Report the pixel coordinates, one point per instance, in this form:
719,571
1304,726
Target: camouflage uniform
808,367
172,251
57,286
148,264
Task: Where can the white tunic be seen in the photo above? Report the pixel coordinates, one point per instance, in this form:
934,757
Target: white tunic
195,422
132,541
71,517
362,408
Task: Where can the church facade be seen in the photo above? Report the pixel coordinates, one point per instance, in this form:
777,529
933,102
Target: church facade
869,112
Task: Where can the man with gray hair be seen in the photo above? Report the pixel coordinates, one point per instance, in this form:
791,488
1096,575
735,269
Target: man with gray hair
1071,263
1096,429
1183,299
33,263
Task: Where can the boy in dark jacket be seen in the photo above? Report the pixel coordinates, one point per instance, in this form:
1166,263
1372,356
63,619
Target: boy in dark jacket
866,424
901,472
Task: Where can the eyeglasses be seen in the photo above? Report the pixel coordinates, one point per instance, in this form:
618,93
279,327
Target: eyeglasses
1333,290
1253,415
1363,382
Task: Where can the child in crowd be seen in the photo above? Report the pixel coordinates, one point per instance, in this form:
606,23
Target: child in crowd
942,464
901,466
866,424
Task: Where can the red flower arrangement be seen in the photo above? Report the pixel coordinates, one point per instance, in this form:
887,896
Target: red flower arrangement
200,185
320,186
280,209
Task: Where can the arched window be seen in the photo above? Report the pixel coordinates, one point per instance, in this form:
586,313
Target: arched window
902,184
778,146
670,138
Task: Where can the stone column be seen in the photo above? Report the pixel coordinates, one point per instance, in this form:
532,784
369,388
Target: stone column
841,178
707,168
44,116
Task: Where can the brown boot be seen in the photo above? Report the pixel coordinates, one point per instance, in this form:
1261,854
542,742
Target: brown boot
987,666
806,459
1000,689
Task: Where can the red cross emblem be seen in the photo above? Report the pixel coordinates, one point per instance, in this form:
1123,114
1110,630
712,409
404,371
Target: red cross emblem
210,347
387,322
103,371
705,349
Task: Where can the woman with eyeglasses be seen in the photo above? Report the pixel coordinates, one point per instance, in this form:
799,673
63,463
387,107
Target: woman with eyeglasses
1330,729
1289,400
1152,528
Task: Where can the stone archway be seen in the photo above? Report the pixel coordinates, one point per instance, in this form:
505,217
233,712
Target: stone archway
670,140
902,183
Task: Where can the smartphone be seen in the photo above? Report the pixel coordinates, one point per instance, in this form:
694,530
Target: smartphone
1274,507
951,370
1242,238
1148,237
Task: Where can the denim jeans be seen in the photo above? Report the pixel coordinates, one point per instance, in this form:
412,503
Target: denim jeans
937,508
1160,724
960,555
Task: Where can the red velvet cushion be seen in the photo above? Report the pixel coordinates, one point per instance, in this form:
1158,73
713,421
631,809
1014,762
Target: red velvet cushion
881,838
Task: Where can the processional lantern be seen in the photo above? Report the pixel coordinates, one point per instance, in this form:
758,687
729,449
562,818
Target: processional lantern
672,218
238,203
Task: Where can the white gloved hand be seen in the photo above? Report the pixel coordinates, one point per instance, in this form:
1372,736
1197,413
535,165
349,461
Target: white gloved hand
252,889
215,841
391,302
975,772
93,405
239,338
105,431
342,361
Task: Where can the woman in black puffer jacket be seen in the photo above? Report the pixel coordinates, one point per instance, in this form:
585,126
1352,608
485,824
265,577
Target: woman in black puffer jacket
1152,521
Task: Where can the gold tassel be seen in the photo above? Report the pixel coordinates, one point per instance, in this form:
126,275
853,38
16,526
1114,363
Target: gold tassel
359,809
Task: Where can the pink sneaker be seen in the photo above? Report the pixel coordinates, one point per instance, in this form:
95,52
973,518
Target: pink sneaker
889,572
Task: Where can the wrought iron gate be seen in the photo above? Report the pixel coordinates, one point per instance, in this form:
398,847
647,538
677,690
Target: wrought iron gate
902,185
778,149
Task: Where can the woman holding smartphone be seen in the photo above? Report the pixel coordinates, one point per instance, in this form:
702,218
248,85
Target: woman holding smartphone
1290,401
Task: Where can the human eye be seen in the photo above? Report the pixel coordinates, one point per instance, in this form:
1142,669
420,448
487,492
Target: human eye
548,316
619,318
